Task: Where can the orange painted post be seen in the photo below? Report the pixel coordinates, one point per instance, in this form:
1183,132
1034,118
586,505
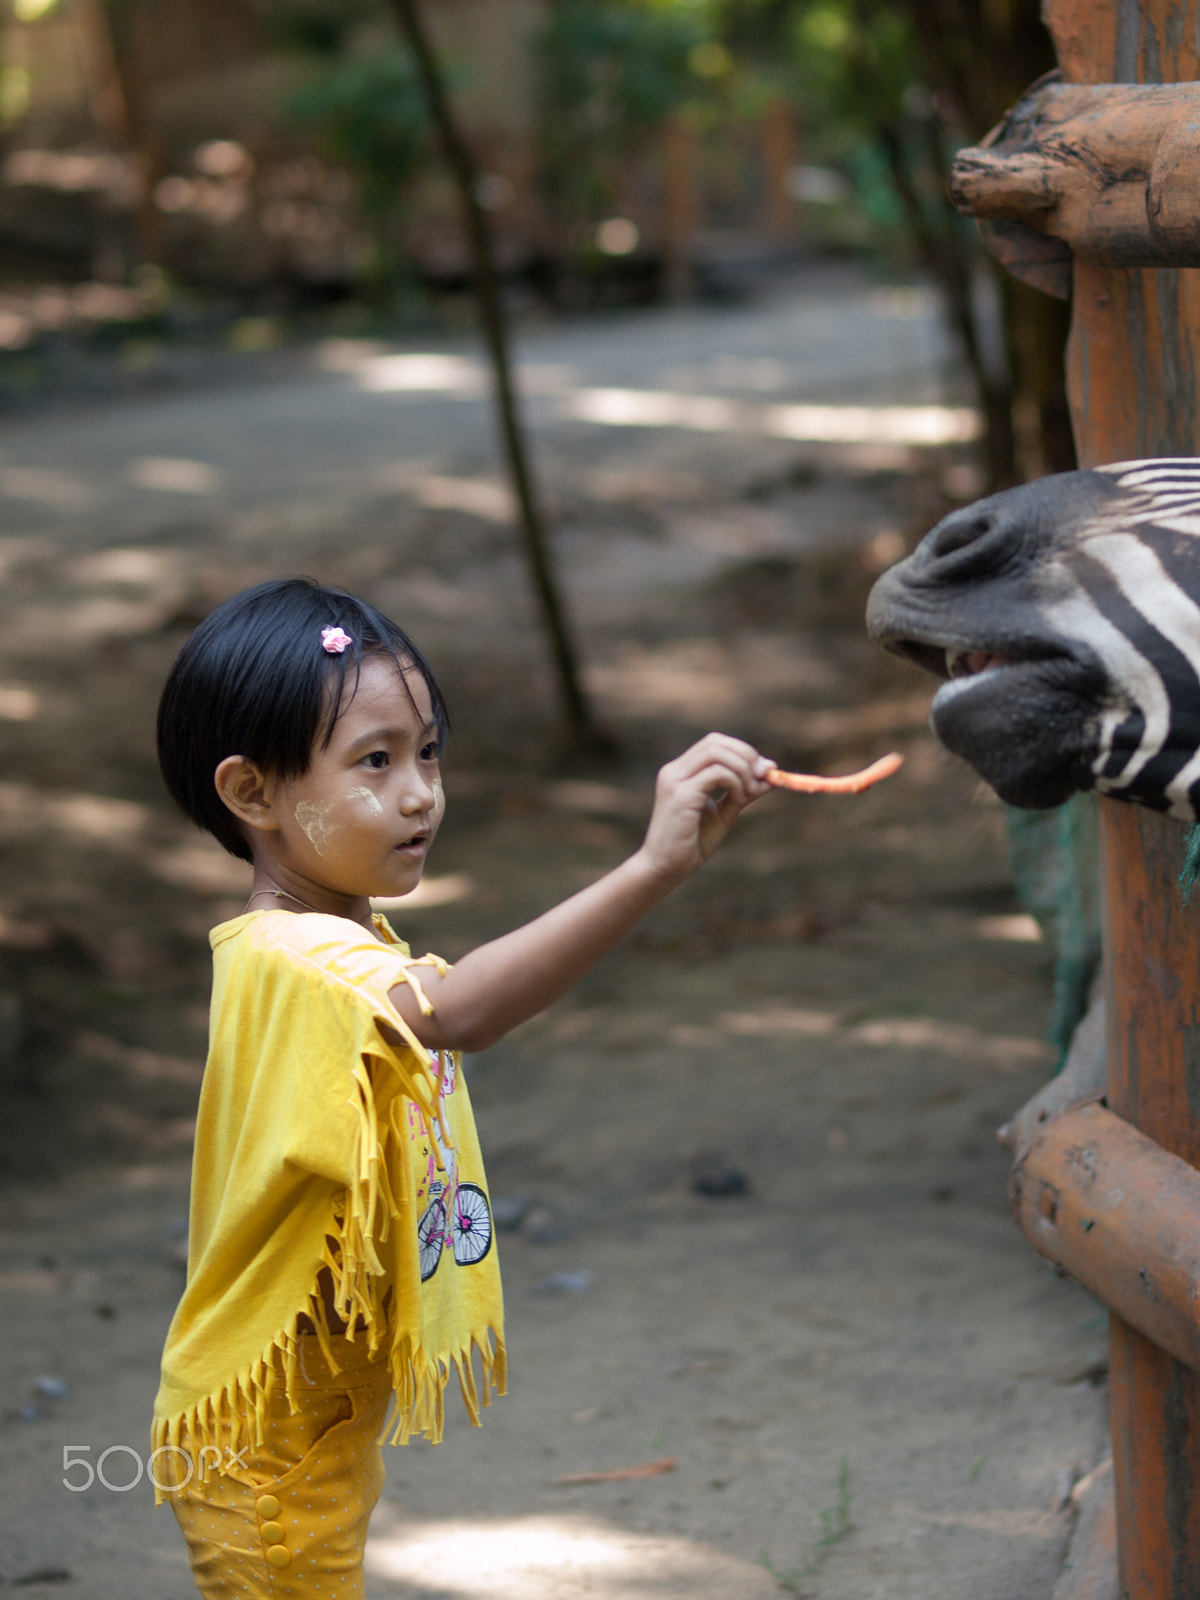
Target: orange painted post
1093,187
1113,1196
1132,363
1152,994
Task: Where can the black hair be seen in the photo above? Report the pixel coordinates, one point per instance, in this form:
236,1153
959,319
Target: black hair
255,680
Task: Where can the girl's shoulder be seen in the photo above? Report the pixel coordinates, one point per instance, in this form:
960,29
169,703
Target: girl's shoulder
324,982
312,943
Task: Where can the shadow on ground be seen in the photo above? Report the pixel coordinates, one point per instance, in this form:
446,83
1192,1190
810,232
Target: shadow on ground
868,1385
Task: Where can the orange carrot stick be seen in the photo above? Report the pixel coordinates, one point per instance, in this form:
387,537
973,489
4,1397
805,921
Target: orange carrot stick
852,783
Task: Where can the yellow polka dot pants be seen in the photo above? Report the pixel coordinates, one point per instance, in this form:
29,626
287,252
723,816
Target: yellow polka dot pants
292,1523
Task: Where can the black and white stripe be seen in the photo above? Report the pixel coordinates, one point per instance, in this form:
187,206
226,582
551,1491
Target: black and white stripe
1080,596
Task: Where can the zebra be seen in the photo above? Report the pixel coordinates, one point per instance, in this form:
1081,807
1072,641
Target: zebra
1064,617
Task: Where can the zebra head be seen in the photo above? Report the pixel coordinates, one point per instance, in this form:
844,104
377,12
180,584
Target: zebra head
1064,617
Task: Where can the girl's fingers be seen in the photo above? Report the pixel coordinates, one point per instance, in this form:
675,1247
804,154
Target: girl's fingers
718,746
725,754
739,783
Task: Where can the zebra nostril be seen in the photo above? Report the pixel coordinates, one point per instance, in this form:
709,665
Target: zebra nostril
965,545
956,532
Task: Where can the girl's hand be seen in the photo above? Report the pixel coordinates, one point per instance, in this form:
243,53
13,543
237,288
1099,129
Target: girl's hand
501,984
697,799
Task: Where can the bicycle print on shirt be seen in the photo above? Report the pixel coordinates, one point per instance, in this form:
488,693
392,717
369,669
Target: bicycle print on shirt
452,1214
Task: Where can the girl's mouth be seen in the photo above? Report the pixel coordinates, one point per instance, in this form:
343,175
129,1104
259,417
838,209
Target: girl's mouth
416,846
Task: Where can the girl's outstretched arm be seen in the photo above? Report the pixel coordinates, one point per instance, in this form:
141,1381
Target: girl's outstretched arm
697,798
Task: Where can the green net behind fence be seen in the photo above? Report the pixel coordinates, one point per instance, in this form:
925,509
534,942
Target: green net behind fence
1055,859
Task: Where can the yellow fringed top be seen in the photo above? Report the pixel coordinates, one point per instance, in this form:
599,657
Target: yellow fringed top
323,1140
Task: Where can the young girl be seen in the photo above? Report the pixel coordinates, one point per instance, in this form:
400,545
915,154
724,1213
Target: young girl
340,1253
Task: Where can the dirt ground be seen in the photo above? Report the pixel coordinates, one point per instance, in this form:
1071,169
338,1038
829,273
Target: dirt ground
869,1386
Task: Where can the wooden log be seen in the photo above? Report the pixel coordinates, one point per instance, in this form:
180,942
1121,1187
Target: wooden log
1134,357
1112,170
1122,1216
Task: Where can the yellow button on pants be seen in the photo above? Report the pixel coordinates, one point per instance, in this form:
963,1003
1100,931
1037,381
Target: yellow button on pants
292,1523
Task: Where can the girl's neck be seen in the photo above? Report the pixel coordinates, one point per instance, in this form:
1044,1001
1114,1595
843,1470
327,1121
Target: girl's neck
268,892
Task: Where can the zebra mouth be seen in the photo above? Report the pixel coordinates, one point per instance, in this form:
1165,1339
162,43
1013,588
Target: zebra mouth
947,661
969,663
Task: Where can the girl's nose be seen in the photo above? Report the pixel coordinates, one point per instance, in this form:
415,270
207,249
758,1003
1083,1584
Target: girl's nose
420,795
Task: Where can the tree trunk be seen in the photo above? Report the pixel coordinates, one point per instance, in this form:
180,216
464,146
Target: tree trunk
580,721
980,55
118,108
947,259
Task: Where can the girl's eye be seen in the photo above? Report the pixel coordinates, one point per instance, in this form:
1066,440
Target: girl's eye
430,752
377,759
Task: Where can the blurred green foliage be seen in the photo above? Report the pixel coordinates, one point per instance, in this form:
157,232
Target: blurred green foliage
609,74
368,115
360,98
862,88
882,93
317,28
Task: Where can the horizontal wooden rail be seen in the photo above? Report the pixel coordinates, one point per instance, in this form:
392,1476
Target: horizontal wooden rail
1122,1216
1110,172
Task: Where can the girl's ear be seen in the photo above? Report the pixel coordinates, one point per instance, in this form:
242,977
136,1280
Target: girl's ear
250,795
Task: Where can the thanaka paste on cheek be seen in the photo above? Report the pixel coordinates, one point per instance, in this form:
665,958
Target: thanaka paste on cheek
368,797
317,828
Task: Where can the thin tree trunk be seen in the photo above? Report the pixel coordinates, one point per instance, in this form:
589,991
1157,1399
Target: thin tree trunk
982,56
118,106
945,258
462,166
1037,326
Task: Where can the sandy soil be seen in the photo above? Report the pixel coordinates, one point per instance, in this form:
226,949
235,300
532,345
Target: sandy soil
868,1384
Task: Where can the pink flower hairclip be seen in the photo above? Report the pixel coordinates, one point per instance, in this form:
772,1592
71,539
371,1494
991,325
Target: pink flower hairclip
335,640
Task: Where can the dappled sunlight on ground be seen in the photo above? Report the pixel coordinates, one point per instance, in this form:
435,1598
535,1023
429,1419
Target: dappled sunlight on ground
567,1557
841,1008
960,1043
60,491
93,818
431,891
688,677
829,424
203,867
466,378
139,567
173,474
18,703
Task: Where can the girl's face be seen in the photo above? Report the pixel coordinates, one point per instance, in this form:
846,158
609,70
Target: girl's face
361,819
